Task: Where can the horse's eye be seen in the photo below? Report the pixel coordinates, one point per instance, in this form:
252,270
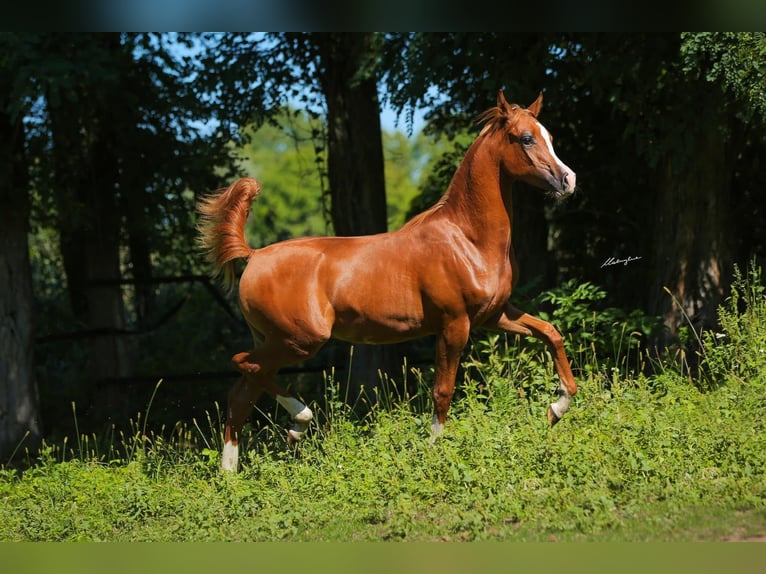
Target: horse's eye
526,139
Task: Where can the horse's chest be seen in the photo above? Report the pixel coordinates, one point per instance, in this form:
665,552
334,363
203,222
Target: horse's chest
489,290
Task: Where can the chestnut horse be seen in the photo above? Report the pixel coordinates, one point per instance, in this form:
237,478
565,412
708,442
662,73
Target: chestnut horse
447,271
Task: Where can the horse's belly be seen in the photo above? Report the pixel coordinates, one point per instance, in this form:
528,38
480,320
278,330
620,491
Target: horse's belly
378,322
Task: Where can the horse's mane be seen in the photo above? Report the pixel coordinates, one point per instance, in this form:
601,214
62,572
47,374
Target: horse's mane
423,215
494,119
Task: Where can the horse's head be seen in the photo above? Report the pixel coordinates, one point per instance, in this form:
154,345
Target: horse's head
526,147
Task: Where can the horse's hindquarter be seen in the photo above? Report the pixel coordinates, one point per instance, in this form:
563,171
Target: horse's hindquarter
281,295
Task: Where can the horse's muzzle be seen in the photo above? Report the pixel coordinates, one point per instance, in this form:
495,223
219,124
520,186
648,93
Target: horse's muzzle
566,185
568,182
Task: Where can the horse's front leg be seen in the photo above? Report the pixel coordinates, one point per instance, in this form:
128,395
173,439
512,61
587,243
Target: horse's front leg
513,320
449,346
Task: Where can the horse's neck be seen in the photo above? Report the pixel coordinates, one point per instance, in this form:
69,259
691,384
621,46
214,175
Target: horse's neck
478,199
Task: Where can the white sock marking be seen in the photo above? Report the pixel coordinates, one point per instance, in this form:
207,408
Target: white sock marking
562,404
299,412
230,457
437,429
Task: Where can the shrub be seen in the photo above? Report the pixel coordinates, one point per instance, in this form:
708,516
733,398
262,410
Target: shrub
739,348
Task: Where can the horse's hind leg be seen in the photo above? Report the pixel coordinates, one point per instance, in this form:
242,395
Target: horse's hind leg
300,413
242,398
258,375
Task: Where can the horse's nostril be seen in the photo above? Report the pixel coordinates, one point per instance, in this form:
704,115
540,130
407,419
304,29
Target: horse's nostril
568,181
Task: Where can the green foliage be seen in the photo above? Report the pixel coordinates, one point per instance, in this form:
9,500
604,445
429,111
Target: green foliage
736,61
287,157
739,349
604,343
599,340
407,162
438,174
594,334
627,463
283,156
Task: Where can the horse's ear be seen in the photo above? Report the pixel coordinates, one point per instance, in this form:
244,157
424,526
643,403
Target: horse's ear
535,106
501,103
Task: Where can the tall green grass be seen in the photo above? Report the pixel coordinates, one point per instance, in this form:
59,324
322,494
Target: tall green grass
643,454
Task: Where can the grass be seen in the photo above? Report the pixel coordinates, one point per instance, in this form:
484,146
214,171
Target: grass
641,456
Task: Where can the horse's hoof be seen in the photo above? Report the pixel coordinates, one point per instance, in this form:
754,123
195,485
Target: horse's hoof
296,433
553,418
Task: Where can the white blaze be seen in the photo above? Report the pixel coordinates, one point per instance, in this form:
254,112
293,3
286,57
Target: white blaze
549,143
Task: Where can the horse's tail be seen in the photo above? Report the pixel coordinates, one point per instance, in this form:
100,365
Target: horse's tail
222,226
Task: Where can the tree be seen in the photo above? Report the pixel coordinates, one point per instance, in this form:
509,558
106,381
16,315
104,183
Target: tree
685,128
19,416
116,158
85,154
407,163
354,139
725,76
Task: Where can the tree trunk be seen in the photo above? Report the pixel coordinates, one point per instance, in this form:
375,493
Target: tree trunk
355,170
85,162
530,237
355,145
692,233
138,232
19,418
